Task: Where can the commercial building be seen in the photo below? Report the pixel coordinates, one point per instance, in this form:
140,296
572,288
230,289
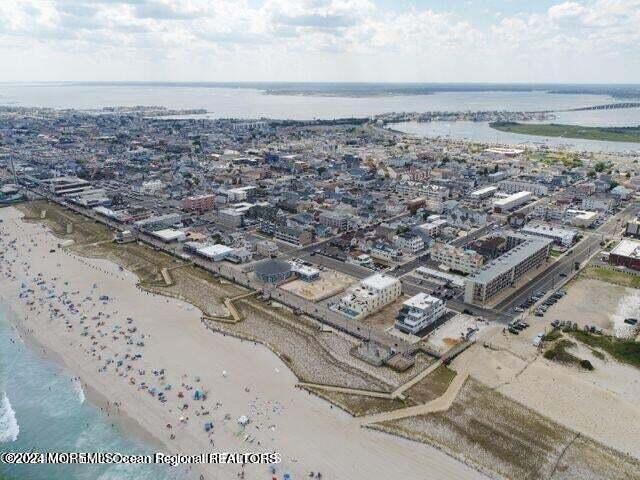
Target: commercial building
483,193
371,294
216,252
66,185
580,218
272,271
419,312
528,254
169,235
158,222
456,258
512,201
560,236
626,254
199,203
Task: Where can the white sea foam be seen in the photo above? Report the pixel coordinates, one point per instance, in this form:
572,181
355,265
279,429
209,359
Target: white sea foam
77,387
9,428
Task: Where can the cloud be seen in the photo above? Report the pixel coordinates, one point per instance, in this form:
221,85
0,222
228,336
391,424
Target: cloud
323,21
165,11
327,39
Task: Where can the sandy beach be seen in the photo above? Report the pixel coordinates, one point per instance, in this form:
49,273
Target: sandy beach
157,368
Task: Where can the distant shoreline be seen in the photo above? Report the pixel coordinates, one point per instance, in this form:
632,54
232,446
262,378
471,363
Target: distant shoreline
608,134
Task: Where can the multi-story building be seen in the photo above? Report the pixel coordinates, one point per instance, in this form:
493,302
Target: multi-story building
337,220
409,243
456,258
230,217
384,251
293,234
369,296
483,193
151,187
66,185
600,204
433,228
267,248
506,204
561,236
239,194
528,254
419,312
515,186
199,203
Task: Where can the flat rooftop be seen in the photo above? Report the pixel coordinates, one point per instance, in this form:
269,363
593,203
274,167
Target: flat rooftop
511,198
422,301
379,281
627,248
214,250
513,257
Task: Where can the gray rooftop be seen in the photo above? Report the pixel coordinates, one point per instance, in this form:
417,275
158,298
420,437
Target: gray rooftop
513,257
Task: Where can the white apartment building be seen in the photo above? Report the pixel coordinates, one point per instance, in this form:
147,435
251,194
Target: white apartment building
151,187
419,312
409,243
512,201
458,259
433,228
370,295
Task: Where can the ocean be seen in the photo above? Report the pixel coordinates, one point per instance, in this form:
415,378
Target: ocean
227,101
43,409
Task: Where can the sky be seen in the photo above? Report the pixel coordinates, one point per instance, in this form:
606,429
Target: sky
537,41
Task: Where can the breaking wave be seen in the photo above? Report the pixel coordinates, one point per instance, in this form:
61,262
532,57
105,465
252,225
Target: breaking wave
9,428
77,388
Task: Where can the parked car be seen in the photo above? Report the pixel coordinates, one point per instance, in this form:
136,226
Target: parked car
537,340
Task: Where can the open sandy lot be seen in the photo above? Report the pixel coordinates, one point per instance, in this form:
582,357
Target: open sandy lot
593,302
329,284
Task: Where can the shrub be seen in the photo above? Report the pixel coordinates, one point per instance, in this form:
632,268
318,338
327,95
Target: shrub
586,364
